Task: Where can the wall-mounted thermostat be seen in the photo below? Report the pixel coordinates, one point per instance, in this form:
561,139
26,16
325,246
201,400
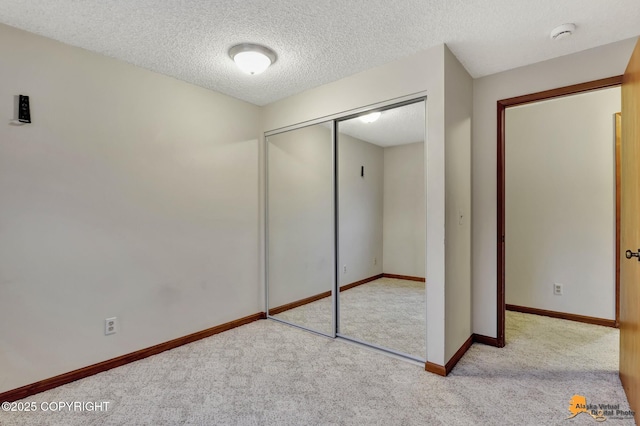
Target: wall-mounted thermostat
24,113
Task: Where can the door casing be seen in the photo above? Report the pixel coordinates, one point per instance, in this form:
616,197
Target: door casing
502,105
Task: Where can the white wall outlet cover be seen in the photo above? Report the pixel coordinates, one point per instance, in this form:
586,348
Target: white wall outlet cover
110,326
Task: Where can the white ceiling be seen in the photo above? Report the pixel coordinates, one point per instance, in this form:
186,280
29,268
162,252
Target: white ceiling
397,126
319,41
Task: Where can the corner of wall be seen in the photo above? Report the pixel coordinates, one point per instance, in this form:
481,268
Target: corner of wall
458,114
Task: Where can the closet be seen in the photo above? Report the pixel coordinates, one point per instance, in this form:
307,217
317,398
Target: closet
345,226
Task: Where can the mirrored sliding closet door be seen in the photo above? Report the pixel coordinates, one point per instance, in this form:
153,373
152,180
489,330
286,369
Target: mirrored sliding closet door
382,229
300,223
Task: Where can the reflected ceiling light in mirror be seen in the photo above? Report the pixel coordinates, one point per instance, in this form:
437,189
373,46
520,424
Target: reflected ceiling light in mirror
370,118
252,58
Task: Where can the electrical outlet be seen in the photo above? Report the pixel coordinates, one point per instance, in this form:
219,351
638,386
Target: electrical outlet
110,326
344,269
557,289
375,260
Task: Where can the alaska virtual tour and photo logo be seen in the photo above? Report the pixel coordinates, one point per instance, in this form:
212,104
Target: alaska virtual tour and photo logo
599,412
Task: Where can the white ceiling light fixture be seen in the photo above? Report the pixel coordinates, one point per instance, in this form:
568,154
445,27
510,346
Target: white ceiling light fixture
252,58
370,118
563,31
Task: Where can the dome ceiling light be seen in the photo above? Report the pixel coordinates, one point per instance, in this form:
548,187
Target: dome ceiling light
252,58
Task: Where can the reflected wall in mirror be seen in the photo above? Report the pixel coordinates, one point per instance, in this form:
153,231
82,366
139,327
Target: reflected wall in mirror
300,227
382,229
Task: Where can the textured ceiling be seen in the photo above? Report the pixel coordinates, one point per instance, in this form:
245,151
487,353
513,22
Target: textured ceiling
397,126
319,41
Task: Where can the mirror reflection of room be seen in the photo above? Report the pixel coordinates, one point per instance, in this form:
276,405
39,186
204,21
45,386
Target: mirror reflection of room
300,227
382,229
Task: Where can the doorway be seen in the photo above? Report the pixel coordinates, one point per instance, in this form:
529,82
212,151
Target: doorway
502,241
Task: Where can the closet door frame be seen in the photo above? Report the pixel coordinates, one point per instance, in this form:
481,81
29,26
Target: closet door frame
334,119
361,112
332,334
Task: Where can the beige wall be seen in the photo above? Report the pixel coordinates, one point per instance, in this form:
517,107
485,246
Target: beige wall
593,64
132,195
404,210
560,203
360,209
300,214
458,112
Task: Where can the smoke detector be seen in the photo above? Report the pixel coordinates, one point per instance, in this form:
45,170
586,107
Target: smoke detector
563,31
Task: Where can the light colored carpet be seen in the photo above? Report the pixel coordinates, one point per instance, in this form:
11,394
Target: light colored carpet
267,373
386,312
